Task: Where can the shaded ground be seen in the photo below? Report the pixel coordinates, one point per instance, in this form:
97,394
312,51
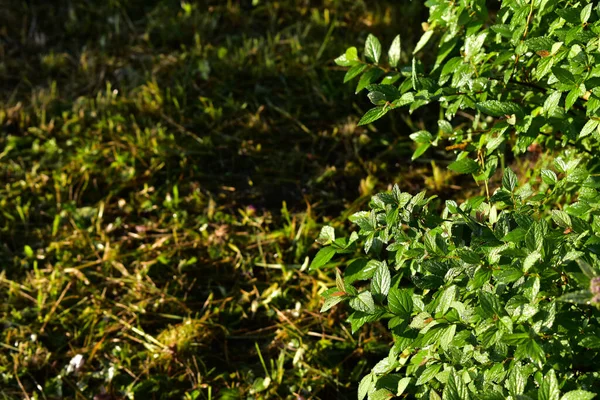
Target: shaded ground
165,168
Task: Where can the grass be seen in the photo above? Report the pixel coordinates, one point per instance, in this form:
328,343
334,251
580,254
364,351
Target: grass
165,170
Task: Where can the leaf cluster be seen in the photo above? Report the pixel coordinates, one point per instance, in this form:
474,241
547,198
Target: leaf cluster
497,297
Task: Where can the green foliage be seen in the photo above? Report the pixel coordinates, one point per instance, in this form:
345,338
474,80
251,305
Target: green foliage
481,298
525,73
497,297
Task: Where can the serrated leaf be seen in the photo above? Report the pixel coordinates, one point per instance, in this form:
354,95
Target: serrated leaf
447,337
349,58
464,166
372,49
331,302
367,78
497,108
421,137
428,373
360,269
405,99
322,257
326,236
395,52
377,98
578,395
509,180
551,102
543,68
578,297
365,386
446,299
561,218
549,177
455,388
373,115
564,76
381,394
573,95
468,255
516,380
473,44
549,388
363,302
400,302
354,72
590,342
382,280
589,127
530,260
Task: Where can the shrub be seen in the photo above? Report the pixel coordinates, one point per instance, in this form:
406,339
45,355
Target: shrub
496,297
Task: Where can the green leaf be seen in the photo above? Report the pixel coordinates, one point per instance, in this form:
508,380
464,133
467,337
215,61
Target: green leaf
490,304
549,177
395,52
586,13
366,386
381,394
400,302
473,44
468,255
530,260
421,137
517,380
509,180
543,68
464,166
402,385
549,388
363,302
563,76
367,78
372,49
446,299
573,95
349,58
561,218
326,236
354,72
373,115
577,297
423,41
405,99
422,148
578,395
322,257
352,54
381,280
360,270
331,302
428,373
377,98
455,388
447,337
497,108
590,342
551,103
531,349
589,127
